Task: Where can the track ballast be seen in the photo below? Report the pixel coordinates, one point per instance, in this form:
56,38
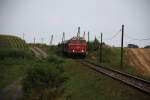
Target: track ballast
133,81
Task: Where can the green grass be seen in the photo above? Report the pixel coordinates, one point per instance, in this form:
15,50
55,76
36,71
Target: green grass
45,80
82,84
86,84
8,41
12,69
12,46
110,56
15,58
111,59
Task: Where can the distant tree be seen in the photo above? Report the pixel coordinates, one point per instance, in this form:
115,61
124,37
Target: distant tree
93,45
96,44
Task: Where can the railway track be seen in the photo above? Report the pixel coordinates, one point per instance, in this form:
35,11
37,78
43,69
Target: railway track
133,81
39,53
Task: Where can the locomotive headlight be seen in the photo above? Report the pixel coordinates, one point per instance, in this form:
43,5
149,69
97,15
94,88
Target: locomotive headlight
82,50
72,50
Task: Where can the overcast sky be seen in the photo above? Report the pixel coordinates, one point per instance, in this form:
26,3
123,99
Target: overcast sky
42,18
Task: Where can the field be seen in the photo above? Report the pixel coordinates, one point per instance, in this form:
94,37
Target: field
12,46
82,83
14,55
12,69
85,84
7,41
140,59
111,59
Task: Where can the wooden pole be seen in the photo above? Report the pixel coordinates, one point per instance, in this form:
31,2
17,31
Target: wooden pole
23,36
88,37
42,39
51,40
34,40
84,35
63,37
78,34
88,40
122,46
101,48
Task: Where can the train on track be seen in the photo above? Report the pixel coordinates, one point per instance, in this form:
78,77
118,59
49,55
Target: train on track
75,46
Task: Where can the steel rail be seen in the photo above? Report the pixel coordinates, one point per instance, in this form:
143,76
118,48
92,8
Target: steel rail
128,79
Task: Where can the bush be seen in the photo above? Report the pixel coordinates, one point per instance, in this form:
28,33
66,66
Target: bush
43,82
93,45
55,59
14,53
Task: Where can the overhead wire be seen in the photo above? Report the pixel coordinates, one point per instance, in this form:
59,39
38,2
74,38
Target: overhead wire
111,38
137,39
132,38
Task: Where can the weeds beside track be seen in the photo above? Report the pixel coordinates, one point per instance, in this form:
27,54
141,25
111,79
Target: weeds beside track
133,81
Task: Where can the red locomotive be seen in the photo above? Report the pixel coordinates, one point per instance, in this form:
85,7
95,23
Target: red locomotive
76,45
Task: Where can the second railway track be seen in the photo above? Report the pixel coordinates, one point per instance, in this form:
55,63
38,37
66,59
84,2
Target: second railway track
133,81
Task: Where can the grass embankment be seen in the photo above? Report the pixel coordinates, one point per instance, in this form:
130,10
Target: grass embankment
44,80
111,59
12,69
86,84
15,57
12,46
82,84
7,41
40,78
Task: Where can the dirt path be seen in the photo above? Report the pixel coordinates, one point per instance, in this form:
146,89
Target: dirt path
14,90
44,55
140,58
36,53
39,52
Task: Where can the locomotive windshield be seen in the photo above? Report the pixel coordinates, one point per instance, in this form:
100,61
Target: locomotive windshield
77,41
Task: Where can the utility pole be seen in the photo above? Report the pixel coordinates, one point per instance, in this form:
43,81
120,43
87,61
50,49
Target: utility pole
42,39
63,38
51,40
122,45
88,37
88,40
101,44
84,35
78,34
34,40
23,36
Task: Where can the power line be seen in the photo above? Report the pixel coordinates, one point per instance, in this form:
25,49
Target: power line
132,38
116,34
127,31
